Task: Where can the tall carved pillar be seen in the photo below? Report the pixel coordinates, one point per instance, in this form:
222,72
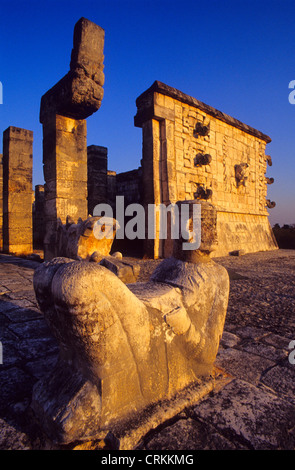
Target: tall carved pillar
158,168
38,217
97,164
63,111
65,174
151,154
17,191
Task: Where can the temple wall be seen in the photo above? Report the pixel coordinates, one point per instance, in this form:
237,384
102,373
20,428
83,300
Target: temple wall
192,151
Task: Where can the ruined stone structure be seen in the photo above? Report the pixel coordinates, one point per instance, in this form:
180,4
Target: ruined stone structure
193,151
97,167
17,191
125,348
190,151
104,185
129,185
63,112
38,217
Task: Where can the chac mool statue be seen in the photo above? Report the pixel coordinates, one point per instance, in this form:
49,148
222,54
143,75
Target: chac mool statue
125,347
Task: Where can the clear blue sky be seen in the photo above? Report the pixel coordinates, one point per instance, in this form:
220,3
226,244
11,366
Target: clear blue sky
237,56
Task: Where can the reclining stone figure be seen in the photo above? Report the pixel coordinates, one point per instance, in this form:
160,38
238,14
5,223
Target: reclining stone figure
124,348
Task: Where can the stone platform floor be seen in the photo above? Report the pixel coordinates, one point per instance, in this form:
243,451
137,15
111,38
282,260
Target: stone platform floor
255,410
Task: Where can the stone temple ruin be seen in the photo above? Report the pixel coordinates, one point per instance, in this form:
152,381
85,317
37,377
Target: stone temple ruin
190,151
125,345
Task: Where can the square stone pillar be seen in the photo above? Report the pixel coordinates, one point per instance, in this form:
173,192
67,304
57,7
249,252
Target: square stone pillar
97,163
63,111
65,174
17,191
151,156
38,217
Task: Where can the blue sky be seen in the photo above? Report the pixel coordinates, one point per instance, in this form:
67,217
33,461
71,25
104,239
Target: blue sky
237,56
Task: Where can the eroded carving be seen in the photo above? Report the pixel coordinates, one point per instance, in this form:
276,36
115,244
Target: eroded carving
202,159
203,193
63,112
81,240
241,174
79,93
201,129
270,204
124,348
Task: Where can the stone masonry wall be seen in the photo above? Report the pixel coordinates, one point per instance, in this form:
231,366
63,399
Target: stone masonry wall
193,151
17,190
97,169
38,217
129,185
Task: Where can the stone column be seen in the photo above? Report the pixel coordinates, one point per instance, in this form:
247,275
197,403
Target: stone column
63,111
65,174
38,217
151,182
156,116
17,191
97,165
111,188
159,179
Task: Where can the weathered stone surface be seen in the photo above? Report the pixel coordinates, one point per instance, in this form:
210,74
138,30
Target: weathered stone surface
200,289
260,310
97,168
17,190
243,365
78,410
201,230
179,133
132,346
279,379
251,423
79,93
189,434
10,440
38,217
63,111
94,235
127,272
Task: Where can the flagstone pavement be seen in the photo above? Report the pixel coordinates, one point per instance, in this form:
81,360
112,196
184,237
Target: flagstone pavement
254,410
